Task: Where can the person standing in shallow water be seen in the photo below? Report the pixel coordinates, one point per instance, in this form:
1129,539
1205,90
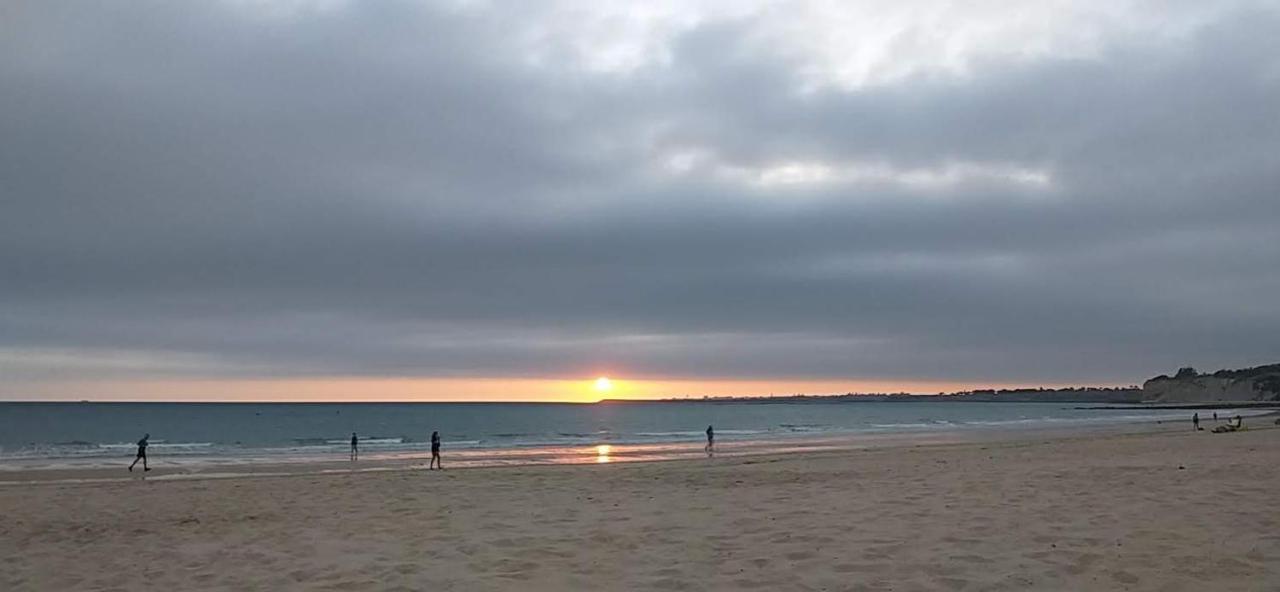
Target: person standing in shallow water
355,447
142,454
711,441
1195,421
435,452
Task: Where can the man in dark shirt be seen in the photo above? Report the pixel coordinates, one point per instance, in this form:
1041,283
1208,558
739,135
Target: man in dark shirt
435,452
142,454
711,441
355,450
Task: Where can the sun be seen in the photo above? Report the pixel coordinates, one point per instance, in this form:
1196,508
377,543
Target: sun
603,384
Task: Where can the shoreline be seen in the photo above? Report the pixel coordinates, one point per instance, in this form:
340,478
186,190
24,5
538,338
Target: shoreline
256,439
1273,405
536,456
1139,508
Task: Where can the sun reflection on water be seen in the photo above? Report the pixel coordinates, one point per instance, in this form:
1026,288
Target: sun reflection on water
602,453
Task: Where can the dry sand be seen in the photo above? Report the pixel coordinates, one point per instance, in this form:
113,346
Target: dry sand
1152,511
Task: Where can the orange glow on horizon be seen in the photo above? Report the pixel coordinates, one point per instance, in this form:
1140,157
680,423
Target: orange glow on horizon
347,389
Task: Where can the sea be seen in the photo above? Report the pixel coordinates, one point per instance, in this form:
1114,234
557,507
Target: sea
187,435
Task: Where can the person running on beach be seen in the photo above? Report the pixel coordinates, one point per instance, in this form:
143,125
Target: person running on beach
711,441
1195,421
435,452
142,454
355,447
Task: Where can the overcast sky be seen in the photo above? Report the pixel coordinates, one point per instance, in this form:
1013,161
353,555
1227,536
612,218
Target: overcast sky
1083,192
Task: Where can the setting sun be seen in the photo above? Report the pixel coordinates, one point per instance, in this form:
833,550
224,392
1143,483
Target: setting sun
603,384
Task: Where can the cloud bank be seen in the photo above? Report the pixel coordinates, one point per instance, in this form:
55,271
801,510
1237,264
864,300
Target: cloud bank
1075,192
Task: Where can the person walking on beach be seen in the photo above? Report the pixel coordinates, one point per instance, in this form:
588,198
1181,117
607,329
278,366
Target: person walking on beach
142,454
1195,421
355,447
435,452
711,441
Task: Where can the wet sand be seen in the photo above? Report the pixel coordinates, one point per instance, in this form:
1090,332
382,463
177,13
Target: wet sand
1163,510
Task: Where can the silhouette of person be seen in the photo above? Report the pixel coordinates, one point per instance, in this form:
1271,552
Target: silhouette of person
142,454
1215,416
711,441
1195,421
435,452
355,447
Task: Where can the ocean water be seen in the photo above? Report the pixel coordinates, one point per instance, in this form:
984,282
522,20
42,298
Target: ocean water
52,435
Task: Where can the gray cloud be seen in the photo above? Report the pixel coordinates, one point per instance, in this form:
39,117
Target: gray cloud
401,189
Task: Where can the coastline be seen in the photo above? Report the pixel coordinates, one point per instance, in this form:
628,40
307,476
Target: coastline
187,468
306,438
1134,509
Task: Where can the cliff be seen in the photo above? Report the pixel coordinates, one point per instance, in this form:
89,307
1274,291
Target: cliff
1041,395
1187,386
1104,395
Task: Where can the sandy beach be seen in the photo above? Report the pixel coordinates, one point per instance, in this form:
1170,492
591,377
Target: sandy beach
1163,510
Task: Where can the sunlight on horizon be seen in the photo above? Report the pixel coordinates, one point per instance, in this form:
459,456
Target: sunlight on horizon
347,389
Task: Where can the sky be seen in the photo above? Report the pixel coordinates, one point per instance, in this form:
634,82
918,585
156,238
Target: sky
470,200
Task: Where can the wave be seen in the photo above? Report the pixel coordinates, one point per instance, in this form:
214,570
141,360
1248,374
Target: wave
370,441
804,427
906,425
460,443
572,430
82,449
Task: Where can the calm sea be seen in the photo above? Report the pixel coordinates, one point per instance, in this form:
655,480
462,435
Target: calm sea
46,435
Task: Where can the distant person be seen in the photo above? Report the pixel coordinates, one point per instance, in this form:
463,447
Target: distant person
142,454
1215,416
355,447
435,452
1232,425
711,441
1195,421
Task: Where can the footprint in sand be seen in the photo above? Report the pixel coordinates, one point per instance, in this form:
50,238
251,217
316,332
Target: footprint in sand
407,568
1124,577
672,584
952,583
1083,563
